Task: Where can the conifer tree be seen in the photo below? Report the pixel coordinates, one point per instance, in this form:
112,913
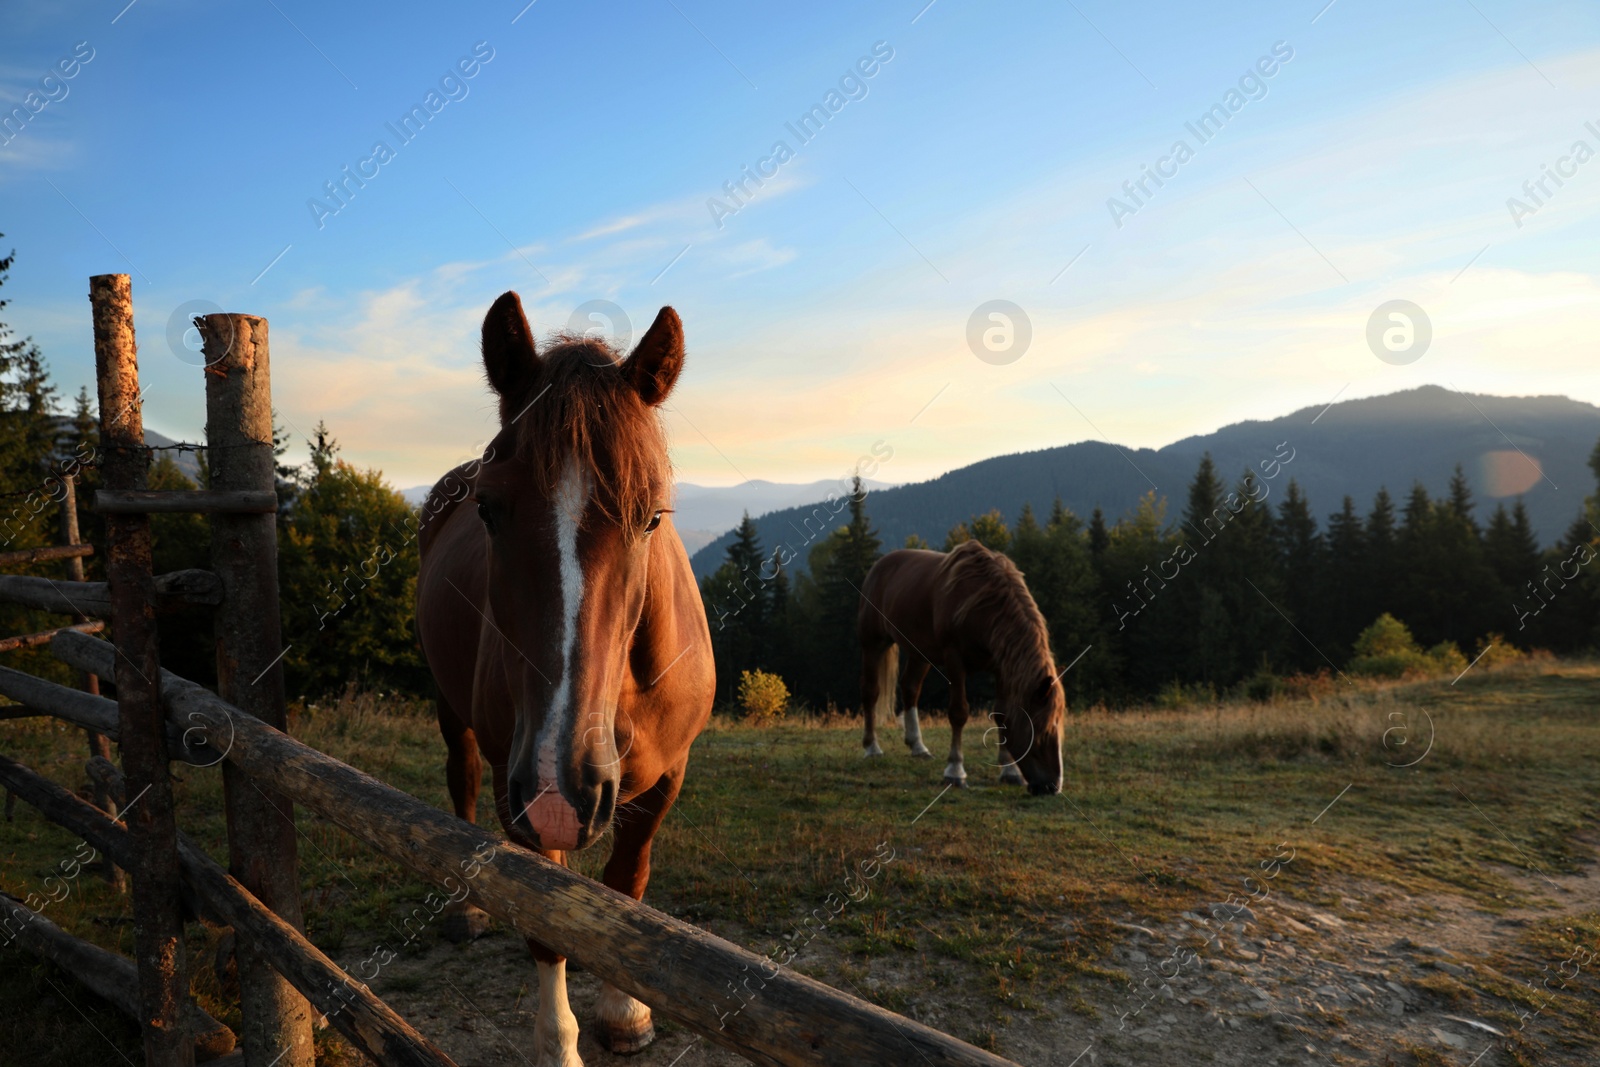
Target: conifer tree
1342,584
1299,553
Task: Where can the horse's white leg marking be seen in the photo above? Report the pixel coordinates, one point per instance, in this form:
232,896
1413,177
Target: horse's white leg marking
556,1032
914,734
954,771
872,749
627,1021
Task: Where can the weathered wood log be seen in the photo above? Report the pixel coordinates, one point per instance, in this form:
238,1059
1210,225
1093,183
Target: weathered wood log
99,744
726,994
352,1008
94,598
11,644
131,595
168,501
67,810
22,556
108,975
98,714
249,645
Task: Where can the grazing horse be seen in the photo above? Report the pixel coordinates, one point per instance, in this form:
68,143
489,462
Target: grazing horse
962,611
563,625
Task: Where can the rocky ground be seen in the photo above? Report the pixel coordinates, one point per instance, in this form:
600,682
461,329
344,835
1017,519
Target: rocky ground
1378,978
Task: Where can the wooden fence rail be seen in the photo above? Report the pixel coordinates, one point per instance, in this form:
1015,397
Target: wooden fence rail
723,992
350,1007
94,598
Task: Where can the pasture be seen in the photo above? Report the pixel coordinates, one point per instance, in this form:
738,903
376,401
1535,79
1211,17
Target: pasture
1386,903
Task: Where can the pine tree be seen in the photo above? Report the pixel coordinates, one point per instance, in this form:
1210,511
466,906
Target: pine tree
1148,632
839,566
1379,560
1447,589
1299,552
1511,548
1460,500
28,431
1205,516
348,561
1342,581
1098,537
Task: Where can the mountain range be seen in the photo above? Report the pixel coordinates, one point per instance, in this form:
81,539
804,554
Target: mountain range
702,513
1531,448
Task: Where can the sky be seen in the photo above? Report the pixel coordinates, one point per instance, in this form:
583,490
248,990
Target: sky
969,153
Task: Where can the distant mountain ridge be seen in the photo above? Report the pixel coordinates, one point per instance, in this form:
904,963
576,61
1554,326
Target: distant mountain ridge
1510,447
705,512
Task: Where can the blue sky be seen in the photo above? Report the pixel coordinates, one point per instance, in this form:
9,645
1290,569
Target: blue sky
832,309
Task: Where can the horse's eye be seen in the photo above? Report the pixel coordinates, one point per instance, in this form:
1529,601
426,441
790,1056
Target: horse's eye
655,520
486,513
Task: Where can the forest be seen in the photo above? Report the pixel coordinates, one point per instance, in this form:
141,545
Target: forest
1240,590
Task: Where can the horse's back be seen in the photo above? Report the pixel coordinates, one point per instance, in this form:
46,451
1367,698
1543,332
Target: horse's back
897,596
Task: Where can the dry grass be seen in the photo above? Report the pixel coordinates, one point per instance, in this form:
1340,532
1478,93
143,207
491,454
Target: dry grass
1165,810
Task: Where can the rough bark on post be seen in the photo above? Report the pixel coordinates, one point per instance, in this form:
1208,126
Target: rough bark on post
157,909
244,555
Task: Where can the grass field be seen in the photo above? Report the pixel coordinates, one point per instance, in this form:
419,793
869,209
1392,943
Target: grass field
1164,811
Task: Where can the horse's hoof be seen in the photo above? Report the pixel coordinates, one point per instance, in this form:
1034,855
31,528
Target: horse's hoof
871,751
467,923
622,1041
959,783
924,754
1011,781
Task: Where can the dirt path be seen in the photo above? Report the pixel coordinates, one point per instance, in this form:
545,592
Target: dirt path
1381,978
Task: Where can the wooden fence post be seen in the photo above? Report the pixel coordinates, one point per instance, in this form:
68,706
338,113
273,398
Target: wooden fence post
244,554
99,744
157,918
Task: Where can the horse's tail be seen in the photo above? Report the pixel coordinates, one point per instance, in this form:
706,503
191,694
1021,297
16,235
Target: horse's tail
882,709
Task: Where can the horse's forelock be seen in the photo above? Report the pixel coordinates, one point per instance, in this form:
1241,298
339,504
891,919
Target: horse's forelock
583,411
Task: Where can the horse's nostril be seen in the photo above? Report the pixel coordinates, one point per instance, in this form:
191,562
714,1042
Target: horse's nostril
607,805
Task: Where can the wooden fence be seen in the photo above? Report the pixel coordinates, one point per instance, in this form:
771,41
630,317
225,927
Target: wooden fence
681,971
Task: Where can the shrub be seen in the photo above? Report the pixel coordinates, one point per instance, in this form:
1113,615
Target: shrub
1498,652
1386,649
762,696
1175,695
1446,658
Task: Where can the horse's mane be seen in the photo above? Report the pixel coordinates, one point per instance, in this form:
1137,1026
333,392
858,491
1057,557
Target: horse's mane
990,591
582,409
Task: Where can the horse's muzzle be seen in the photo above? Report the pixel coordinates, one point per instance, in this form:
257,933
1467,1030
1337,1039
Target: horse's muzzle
559,826
1044,788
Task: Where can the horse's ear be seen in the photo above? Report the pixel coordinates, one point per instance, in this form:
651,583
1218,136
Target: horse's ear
655,362
509,357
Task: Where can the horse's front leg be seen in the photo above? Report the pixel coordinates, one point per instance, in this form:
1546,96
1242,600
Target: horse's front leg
1009,774
555,1030
625,1023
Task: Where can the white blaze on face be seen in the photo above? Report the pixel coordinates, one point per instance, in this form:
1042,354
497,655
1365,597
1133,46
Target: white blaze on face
572,495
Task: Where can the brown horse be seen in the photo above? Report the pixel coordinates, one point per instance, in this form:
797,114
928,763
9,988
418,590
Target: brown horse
962,611
563,625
